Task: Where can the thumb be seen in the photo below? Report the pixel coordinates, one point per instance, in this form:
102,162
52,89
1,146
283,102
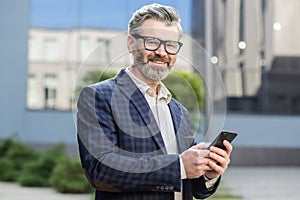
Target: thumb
199,146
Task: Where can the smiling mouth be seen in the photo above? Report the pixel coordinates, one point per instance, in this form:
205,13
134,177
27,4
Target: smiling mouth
159,62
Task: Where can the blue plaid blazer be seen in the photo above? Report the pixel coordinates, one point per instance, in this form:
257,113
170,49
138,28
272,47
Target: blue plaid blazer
121,149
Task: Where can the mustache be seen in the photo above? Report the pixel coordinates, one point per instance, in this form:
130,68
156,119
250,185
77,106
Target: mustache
156,58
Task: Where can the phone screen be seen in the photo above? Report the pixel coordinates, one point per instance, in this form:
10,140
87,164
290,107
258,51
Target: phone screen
224,135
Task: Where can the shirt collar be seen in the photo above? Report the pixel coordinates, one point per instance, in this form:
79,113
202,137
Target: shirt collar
163,92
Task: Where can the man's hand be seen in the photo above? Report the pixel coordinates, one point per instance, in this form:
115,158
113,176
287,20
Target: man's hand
196,161
219,160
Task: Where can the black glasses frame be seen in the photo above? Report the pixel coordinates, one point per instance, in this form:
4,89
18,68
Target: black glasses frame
160,42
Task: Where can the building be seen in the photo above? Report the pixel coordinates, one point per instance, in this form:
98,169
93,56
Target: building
59,58
40,68
54,59
258,50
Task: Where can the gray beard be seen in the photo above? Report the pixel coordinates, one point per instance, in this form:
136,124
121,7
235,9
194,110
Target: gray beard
147,71
154,74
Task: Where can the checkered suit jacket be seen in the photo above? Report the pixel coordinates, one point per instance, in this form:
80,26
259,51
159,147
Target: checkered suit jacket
121,149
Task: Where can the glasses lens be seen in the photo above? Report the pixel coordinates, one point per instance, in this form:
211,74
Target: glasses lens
152,43
172,47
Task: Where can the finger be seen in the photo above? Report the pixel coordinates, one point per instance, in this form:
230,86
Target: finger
199,146
202,161
228,146
219,169
203,168
218,151
201,154
221,160
198,152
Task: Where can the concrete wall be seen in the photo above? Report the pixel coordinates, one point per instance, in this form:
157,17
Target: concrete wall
43,126
265,139
14,23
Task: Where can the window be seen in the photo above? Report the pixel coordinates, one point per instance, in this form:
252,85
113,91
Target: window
85,47
34,53
50,86
51,49
33,100
104,55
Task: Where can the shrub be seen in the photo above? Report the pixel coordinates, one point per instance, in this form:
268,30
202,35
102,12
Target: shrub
21,154
29,176
7,171
93,76
48,168
14,157
38,173
5,145
187,88
67,177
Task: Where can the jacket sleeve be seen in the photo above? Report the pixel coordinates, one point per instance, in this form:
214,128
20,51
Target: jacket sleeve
109,167
199,189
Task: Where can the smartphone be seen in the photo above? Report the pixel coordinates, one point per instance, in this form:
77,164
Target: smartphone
224,135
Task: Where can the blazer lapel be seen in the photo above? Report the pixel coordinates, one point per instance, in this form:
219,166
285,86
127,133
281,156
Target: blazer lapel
183,132
137,99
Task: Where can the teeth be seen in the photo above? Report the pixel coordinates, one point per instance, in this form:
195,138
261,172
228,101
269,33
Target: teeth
159,62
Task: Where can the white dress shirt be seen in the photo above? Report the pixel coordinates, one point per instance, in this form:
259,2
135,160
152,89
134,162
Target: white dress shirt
160,109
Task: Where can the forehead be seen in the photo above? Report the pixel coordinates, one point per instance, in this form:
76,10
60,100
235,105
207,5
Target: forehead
159,29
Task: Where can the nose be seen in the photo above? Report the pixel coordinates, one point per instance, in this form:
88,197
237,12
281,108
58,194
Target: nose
161,50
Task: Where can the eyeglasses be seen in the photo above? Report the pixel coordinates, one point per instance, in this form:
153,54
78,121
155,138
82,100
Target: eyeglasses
152,44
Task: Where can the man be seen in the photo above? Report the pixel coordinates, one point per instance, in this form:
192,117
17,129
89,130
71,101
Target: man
135,140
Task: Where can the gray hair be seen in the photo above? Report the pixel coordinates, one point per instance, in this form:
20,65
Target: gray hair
157,12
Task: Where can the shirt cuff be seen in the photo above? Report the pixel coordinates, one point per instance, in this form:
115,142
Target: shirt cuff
182,169
209,183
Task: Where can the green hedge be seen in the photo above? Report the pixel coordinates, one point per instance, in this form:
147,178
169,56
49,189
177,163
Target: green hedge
38,172
68,177
51,167
7,171
14,156
187,88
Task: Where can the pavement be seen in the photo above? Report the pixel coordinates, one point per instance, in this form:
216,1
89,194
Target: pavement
252,183
13,191
263,183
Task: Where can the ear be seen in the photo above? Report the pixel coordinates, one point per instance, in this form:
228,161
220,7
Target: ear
130,43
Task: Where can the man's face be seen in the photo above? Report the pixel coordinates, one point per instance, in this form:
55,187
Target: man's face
155,65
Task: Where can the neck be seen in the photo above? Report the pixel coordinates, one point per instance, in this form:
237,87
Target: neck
152,84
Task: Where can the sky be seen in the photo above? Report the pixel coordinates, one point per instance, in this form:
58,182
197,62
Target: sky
110,14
